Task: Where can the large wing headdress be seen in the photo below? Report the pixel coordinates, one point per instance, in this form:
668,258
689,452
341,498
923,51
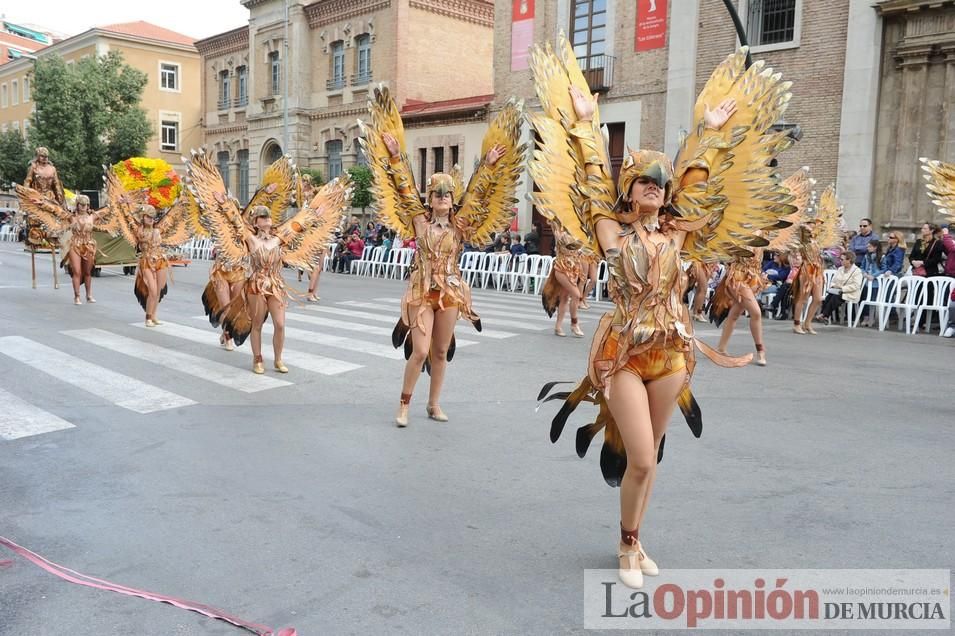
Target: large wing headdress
277,189
396,200
557,165
799,185
487,205
220,215
941,184
741,195
176,225
122,205
306,234
827,214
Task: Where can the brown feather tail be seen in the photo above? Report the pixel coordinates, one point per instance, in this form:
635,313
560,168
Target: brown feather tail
721,303
210,302
550,295
236,319
140,289
575,398
691,411
613,456
399,334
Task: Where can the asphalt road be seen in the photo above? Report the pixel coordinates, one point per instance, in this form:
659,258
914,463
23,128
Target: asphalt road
154,459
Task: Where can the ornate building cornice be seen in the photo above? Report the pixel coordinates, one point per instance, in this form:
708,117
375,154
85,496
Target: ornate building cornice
225,130
228,42
475,11
893,7
327,11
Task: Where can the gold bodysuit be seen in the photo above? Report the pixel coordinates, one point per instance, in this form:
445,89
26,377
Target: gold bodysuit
569,258
811,271
435,279
151,254
82,242
266,279
743,272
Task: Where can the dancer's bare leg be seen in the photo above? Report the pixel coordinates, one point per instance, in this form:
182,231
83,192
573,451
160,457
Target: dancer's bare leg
76,274
88,264
444,322
276,307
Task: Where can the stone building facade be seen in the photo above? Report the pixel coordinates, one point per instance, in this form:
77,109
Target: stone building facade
425,51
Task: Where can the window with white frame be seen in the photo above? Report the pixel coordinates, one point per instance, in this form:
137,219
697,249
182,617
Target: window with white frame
14,92
773,23
16,126
222,159
26,89
242,79
169,76
243,157
363,44
3,96
169,135
338,66
225,90
275,68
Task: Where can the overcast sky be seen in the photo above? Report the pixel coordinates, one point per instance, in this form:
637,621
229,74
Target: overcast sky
195,18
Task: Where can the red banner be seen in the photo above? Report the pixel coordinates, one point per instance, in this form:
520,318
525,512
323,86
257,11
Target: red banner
522,33
651,32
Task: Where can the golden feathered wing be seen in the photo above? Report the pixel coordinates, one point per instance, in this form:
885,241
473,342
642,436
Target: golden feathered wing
47,212
276,190
176,225
219,213
122,205
488,203
828,212
306,235
557,164
941,184
396,199
799,185
741,195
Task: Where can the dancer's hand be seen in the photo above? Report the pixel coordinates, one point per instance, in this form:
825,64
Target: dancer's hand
391,144
584,105
494,154
715,119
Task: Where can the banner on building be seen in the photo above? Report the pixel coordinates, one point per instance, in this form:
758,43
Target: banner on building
651,25
522,33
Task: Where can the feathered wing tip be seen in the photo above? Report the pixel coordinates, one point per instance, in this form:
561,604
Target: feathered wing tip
660,450
398,334
613,464
576,397
550,295
236,319
720,304
940,177
452,348
210,303
477,325
409,348
546,389
828,212
691,411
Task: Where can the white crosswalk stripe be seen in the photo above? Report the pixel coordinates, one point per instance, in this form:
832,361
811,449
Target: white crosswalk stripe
203,368
22,419
353,326
292,358
522,314
123,391
391,317
511,324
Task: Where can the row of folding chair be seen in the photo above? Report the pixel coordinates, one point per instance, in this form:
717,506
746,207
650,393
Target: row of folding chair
910,297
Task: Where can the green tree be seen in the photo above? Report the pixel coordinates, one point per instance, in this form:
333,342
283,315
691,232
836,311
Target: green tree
15,155
88,115
316,175
362,179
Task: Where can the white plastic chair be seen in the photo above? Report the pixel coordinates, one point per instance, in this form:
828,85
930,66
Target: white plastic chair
329,256
517,276
940,288
358,263
474,266
603,276
872,296
538,278
904,296
495,270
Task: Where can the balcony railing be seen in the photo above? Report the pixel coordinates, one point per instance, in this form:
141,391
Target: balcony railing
598,71
223,103
241,101
360,79
335,84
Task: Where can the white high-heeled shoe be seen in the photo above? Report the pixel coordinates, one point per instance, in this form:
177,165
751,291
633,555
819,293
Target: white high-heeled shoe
647,565
631,576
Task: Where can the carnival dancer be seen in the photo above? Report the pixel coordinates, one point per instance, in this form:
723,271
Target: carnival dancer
55,220
451,215
255,239
744,279
589,263
562,288
43,178
819,233
642,356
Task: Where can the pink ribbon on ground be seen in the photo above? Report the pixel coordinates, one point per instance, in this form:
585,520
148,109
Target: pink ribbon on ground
82,579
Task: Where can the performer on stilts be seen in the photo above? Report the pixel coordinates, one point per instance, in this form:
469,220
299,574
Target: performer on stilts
254,238
436,293
642,356
42,177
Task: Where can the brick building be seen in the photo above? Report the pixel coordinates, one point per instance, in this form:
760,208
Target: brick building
873,81
434,55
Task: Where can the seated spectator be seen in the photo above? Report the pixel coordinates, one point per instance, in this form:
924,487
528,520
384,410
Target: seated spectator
531,241
781,303
354,249
894,258
872,271
846,287
948,246
776,271
517,248
926,255
859,243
